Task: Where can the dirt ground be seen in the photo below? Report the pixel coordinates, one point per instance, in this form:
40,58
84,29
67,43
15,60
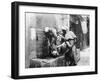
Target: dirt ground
84,57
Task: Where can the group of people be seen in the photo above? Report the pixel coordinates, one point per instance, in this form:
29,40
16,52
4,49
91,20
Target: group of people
62,42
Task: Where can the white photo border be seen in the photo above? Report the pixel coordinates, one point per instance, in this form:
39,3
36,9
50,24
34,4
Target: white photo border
54,70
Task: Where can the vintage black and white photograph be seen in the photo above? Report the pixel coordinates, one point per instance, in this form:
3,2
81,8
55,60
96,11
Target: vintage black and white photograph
56,40
53,40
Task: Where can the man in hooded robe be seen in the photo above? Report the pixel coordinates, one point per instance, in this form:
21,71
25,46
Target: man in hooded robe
68,46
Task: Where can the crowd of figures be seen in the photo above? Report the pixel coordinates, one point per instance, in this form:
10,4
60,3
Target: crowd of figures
62,43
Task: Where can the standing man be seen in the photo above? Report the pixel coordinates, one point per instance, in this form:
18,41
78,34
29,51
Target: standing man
68,47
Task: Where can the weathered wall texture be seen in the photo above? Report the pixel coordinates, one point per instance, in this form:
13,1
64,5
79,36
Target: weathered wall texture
36,46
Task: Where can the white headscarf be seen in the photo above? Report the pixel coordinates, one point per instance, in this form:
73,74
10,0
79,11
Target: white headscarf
46,29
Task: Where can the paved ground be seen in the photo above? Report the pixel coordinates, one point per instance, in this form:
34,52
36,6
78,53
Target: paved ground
84,57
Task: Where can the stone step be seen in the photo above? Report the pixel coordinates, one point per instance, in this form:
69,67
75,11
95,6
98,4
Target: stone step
53,62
